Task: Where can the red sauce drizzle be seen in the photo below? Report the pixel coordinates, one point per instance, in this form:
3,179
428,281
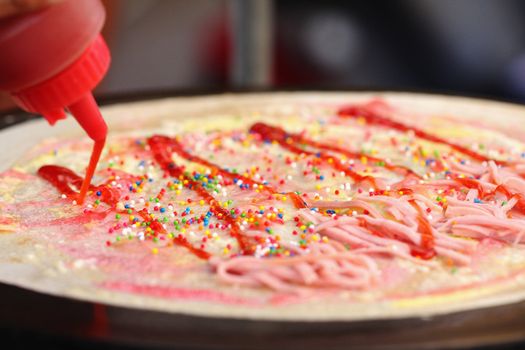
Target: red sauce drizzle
373,117
427,248
162,148
484,195
424,251
63,178
179,240
176,146
272,133
327,147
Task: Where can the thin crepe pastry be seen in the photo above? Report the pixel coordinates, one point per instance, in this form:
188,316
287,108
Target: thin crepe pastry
277,206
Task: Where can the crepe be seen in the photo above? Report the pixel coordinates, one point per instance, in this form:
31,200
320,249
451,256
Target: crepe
296,206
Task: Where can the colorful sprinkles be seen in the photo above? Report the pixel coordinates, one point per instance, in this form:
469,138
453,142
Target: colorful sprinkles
264,192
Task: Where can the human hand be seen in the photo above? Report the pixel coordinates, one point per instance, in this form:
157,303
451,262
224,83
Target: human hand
10,8
14,7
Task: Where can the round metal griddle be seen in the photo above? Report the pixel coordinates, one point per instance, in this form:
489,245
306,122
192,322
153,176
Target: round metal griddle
31,319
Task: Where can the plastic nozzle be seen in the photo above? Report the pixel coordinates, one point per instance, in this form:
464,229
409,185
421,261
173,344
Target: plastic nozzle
87,114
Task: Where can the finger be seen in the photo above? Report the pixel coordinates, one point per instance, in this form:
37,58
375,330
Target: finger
14,7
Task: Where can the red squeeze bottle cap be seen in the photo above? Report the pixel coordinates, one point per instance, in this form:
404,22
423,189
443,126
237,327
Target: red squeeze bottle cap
52,59
71,89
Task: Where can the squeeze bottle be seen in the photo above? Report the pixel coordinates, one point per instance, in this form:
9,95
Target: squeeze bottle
51,60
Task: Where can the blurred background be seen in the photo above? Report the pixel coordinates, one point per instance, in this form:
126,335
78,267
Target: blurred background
474,47
469,47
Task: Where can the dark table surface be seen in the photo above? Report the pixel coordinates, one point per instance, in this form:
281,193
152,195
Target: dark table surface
30,320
